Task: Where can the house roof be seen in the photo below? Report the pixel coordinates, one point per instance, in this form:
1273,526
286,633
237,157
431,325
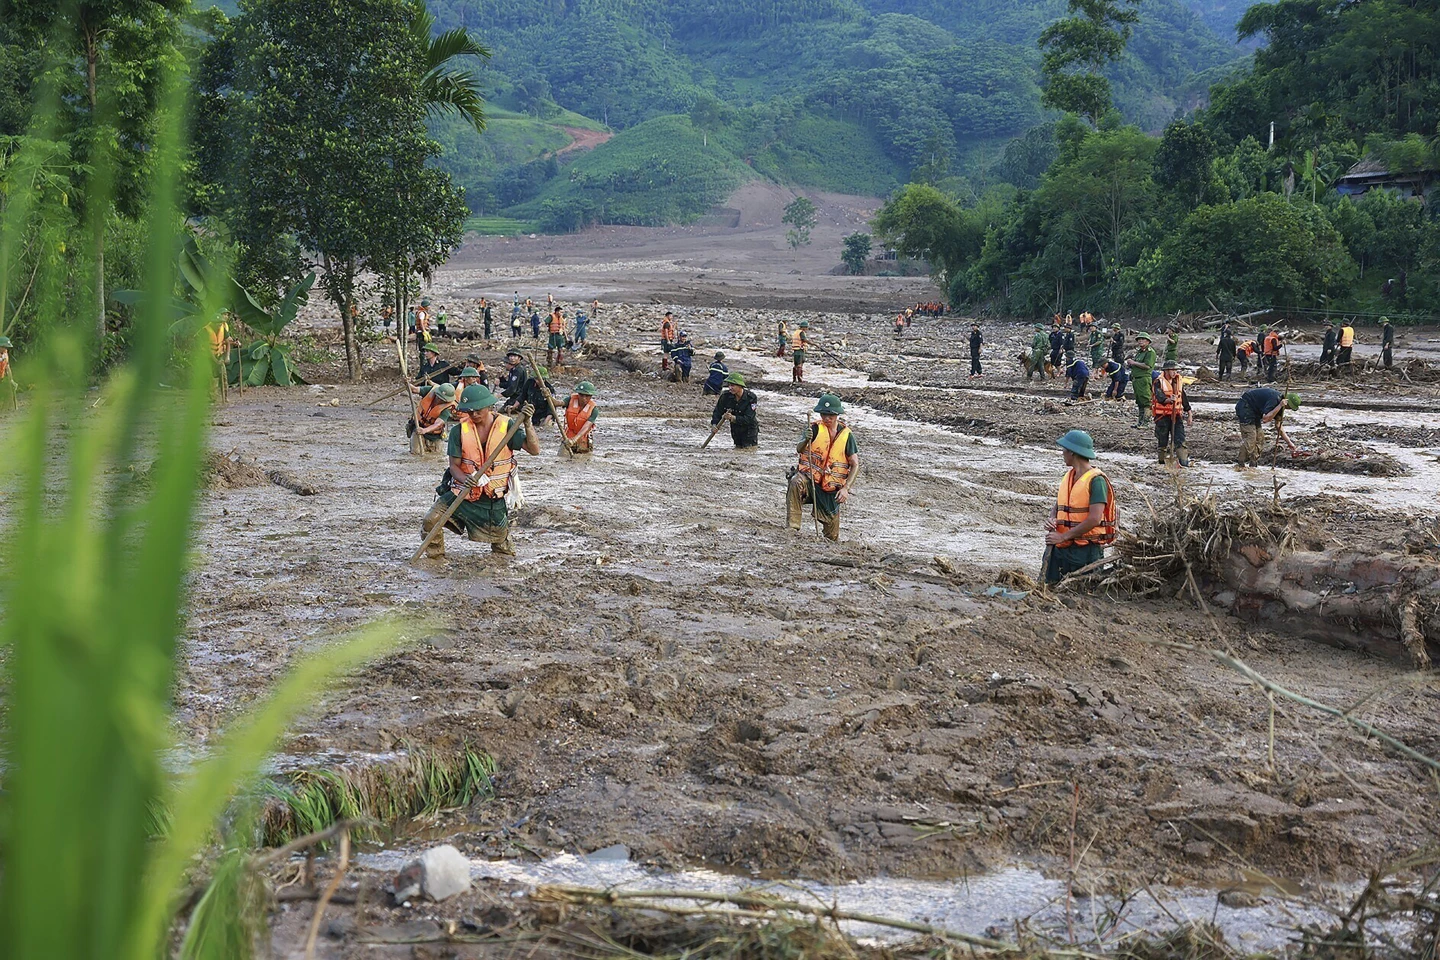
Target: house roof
1374,168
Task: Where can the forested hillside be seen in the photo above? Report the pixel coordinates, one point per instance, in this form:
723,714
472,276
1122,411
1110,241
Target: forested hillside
849,95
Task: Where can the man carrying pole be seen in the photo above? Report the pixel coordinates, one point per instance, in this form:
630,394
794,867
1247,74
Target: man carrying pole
829,465
1171,409
471,495
736,407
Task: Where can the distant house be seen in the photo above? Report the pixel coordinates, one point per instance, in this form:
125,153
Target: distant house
1370,174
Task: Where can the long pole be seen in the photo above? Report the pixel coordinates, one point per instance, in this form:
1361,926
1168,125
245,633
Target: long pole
455,504
554,413
405,378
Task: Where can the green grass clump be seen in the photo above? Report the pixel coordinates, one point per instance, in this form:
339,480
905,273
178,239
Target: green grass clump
499,227
381,795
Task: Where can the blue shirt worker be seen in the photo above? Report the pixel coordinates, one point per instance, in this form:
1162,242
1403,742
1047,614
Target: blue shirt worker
715,378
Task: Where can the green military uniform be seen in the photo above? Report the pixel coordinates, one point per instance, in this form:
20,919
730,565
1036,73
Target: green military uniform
1097,351
1039,348
1067,558
486,520
1142,364
1172,347
803,489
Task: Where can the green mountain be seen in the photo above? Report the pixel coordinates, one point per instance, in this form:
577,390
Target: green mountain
846,95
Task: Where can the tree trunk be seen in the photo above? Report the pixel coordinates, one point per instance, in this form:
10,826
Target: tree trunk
92,60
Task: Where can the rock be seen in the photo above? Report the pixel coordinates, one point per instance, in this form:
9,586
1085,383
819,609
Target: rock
615,853
1199,850
1239,899
440,873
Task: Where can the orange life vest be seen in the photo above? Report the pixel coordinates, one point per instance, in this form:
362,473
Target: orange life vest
577,416
557,323
1072,508
422,318
1247,348
1165,402
797,339
1347,336
4,364
472,454
667,330
1272,344
219,333
430,408
824,460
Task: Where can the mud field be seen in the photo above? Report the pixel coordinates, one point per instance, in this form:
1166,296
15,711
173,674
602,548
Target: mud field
667,667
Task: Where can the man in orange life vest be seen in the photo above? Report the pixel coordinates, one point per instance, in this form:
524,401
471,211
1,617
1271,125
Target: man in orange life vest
5,377
667,340
799,340
1171,409
482,516
555,346
1082,522
829,463
580,417
429,433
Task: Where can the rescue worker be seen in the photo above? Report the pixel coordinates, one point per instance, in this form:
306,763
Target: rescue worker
427,428
487,317
555,346
1254,409
799,340
1346,352
1225,353
582,329
683,353
1327,346
1387,342
217,332
715,377
1083,522
534,324
1119,377
736,407
469,377
899,324
432,368
512,380
1097,346
387,317
667,340
1172,344
829,464
480,432
1171,409
440,322
1067,341
1245,351
1057,345
975,341
1038,345
1117,344
1141,365
515,322
782,336
1079,374
1270,354
580,416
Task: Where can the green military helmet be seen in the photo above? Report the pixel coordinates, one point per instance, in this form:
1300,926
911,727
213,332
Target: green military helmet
470,372
735,380
1144,336
720,356
476,398
1292,400
805,324
425,302
543,373
1079,443
585,388
829,403
5,343
446,392
1040,327
1384,322
1170,365
431,349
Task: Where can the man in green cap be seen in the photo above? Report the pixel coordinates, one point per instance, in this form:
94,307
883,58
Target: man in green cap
1387,342
580,416
1082,522
798,343
469,377
1172,344
829,464
1255,408
480,432
429,433
736,407
1039,346
432,368
1142,366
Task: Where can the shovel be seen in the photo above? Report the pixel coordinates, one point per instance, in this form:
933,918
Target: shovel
566,449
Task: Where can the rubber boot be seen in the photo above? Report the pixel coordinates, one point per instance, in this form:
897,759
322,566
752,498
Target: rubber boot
1163,456
549,358
505,548
436,550
794,499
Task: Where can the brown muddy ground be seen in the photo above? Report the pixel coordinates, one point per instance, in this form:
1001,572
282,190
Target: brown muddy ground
666,666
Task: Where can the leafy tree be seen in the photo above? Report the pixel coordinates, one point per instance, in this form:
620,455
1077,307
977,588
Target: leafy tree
922,222
327,104
1078,47
1183,162
1260,252
802,216
856,252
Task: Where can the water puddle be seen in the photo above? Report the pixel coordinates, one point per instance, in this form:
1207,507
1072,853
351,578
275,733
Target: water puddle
991,904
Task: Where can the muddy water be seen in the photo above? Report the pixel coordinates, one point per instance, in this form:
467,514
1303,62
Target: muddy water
991,904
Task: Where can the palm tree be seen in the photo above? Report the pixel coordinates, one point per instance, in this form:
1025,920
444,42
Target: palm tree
446,87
